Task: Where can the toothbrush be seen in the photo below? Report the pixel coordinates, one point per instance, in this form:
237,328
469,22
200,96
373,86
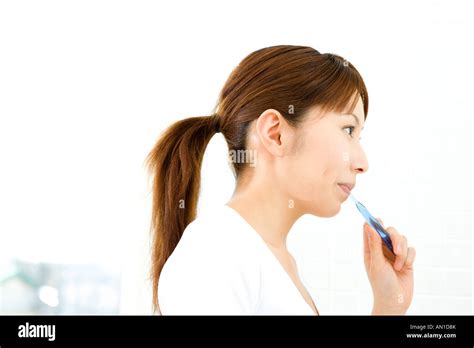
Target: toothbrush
387,243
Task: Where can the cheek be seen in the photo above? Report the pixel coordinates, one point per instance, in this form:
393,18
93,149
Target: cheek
332,159
314,168
338,160
317,171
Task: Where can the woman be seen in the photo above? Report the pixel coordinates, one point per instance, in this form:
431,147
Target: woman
292,118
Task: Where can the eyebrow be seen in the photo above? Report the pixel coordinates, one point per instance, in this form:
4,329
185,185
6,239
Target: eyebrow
356,118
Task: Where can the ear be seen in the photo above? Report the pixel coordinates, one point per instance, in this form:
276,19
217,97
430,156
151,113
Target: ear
270,125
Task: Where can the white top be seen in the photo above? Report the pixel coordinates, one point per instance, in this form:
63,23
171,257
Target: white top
222,266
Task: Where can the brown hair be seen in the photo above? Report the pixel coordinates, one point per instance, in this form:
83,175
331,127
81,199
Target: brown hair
289,79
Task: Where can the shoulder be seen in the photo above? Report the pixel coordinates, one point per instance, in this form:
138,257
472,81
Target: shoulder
214,269
216,235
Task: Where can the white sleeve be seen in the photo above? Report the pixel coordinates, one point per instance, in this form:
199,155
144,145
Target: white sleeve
212,284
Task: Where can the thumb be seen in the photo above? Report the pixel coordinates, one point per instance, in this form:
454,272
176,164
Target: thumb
375,244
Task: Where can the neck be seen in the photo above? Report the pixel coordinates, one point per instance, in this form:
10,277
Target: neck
269,211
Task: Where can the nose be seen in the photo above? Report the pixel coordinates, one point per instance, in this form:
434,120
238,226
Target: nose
360,164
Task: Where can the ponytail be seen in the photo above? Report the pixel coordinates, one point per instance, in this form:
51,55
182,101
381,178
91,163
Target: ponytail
174,164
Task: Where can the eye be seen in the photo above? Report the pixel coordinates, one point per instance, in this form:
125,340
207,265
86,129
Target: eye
351,130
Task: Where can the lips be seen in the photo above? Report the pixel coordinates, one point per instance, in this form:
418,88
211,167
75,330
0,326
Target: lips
346,187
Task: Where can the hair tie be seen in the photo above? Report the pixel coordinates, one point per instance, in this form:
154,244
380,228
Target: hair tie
216,123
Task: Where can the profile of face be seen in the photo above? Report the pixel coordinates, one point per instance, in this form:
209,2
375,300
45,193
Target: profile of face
309,162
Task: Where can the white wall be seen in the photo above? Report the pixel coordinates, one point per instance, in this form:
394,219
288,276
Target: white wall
86,87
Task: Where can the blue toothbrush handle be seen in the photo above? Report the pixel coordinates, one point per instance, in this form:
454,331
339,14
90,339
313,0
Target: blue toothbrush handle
382,233
387,243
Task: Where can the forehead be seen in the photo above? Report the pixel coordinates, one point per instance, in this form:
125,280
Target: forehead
358,110
316,114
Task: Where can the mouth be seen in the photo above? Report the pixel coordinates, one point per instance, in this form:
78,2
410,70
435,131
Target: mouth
347,188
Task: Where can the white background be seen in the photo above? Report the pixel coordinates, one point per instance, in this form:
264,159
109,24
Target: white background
86,87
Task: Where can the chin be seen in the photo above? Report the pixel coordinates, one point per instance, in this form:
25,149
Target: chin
327,211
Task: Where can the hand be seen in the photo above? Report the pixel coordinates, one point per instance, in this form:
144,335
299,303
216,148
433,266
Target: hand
391,282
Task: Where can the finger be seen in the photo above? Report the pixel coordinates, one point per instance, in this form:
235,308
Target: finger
397,240
401,249
366,244
390,234
410,258
375,244
389,255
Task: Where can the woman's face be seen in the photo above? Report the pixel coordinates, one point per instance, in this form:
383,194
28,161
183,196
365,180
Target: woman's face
326,153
